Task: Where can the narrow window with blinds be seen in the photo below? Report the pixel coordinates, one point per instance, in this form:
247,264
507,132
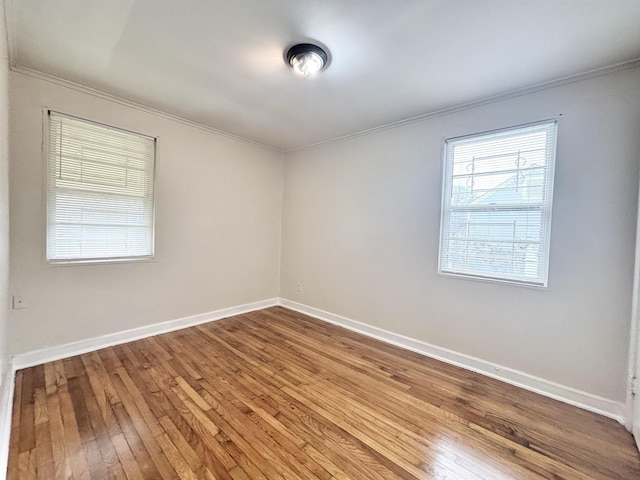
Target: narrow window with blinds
496,206
99,192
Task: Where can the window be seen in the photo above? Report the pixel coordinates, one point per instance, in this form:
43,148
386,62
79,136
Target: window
496,207
99,192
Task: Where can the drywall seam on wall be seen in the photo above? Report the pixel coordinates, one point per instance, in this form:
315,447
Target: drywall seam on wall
571,396
49,354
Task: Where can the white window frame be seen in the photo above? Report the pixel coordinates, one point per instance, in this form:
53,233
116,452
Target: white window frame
446,263
51,191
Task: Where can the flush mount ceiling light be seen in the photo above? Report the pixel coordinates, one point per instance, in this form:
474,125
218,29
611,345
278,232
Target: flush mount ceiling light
306,59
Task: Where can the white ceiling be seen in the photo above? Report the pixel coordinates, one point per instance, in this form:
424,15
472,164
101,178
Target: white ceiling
220,62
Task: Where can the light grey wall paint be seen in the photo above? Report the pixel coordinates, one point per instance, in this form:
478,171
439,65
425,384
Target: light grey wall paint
361,226
361,232
4,198
218,225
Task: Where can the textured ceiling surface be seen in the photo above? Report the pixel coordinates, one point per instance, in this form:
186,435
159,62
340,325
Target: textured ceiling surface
221,63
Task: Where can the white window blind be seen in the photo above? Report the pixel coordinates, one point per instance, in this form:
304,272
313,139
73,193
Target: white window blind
100,192
496,208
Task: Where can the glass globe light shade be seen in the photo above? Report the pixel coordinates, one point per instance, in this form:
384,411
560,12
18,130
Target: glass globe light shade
306,59
307,64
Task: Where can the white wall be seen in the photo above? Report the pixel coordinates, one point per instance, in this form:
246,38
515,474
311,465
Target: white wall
5,368
360,233
361,230
4,194
218,211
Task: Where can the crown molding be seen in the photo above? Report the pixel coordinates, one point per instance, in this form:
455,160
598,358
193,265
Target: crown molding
136,106
9,16
628,65
15,67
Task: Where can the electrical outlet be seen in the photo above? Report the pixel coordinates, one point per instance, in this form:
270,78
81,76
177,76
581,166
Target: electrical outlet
17,302
298,287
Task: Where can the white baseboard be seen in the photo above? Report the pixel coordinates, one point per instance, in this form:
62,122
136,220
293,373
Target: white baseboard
6,405
578,398
587,401
50,354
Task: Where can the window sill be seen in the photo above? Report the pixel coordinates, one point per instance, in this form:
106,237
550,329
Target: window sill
515,283
101,261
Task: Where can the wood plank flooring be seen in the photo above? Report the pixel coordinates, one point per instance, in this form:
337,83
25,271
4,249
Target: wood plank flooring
278,395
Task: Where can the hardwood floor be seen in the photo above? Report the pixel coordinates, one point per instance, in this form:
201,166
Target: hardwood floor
275,394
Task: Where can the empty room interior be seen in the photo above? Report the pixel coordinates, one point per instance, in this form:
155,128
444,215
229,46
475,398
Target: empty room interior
319,239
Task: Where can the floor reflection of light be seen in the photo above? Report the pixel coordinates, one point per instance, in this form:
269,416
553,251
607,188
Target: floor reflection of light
447,459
